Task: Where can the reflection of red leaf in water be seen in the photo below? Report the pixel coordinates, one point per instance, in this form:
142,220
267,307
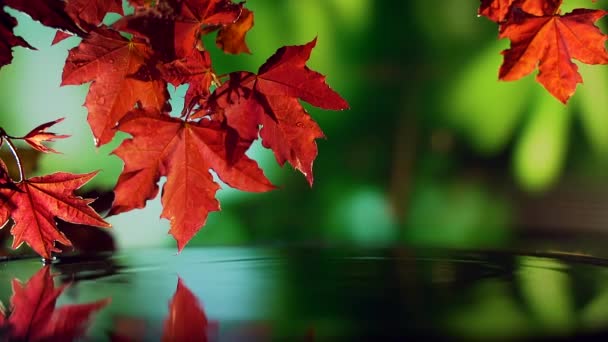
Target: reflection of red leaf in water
187,320
32,315
129,329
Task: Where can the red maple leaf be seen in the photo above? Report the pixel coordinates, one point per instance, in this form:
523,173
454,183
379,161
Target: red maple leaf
8,40
181,22
38,201
92,11
138,4
38,135
122,74
184,152
88,14
498,10
552,41
4,175
194,70
32,314
51,13
186,320
5,183
270,99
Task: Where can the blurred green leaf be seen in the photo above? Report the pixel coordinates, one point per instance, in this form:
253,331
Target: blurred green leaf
595,313
456,215
546,289
541,150
491,313
486,110
362,216
592,97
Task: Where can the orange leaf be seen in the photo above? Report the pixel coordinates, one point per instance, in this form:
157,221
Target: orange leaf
552,41
499,10
231,38
38,135
41,199
495,10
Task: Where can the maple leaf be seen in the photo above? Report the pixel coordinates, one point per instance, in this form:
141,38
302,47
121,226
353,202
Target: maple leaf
60,36
88,14
182,24
231,38
92,11
122,75
4,176
495,10
8,40
184,152
186,320
194,70
6,183
33,316
38,135
51,13
499,10
552,42
38,201
270,99
141,3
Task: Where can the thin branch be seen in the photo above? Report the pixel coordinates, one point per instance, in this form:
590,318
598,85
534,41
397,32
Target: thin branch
16,155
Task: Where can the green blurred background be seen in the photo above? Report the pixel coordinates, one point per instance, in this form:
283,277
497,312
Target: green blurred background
434,151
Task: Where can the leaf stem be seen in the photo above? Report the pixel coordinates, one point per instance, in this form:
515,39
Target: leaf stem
15,154
223,75
215,79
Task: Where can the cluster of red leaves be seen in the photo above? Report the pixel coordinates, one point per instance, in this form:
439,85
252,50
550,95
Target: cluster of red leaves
221,117
541,35
32,315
